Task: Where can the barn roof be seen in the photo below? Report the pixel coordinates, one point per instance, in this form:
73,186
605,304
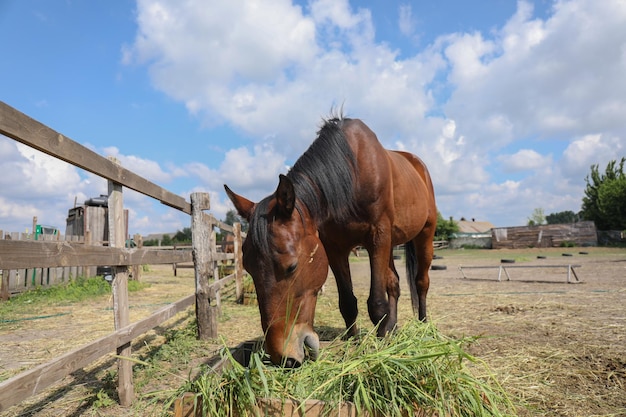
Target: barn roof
467,226
157,236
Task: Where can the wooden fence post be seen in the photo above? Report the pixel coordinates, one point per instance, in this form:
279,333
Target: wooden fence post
238,263
201,227
4,285
138,239
216,269
117,239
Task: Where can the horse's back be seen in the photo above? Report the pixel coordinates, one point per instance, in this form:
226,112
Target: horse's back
413,196
364,141
418,166
394,182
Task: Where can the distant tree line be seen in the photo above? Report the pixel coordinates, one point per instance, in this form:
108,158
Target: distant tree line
604,202
605,197
183,237
445,228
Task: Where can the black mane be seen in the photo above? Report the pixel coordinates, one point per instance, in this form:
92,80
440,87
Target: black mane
324,176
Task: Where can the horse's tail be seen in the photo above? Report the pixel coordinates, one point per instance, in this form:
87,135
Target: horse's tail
410,254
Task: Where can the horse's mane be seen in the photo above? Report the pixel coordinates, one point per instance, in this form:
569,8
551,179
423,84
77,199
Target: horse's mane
324,178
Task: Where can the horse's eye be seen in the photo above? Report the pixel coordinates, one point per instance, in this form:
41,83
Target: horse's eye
291,269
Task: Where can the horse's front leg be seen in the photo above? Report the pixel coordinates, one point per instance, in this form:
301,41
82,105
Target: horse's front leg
382,303
340,266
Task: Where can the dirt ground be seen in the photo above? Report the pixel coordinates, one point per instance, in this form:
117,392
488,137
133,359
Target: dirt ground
558,349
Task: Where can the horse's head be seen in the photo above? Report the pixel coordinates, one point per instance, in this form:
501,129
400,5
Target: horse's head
288,264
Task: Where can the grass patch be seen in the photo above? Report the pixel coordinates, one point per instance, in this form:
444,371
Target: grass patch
77,290
415,368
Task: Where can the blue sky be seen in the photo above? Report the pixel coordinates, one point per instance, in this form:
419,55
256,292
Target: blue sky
509,103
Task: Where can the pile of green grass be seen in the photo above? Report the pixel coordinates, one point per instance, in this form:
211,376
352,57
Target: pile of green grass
414,370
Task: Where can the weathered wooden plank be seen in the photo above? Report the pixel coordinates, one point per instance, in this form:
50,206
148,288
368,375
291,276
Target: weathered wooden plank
34,381
201,225
138,239
554,235
218,285
28,131
121,307
237,249
18,254
5,283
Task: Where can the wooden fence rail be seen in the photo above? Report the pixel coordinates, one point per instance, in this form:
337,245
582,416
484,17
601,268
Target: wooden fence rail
20,280
34,381
16,125
24,254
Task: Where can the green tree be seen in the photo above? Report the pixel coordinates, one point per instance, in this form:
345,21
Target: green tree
232,217
167,241
612,203
562,217
183,236
605,197
445,228
537,217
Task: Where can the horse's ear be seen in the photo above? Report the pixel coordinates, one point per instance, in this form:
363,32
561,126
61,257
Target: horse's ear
285,196
243,206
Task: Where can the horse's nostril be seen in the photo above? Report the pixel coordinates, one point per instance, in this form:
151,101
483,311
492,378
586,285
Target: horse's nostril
291,363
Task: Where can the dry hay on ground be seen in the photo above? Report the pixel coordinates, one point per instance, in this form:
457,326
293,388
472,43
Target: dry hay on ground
559,349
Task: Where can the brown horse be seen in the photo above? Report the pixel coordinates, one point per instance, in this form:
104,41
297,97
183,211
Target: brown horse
345,190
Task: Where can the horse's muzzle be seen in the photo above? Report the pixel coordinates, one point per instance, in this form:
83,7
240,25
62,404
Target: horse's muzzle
303,343
312,345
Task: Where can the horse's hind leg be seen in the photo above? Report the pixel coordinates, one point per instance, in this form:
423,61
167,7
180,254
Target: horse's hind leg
420,281
393,290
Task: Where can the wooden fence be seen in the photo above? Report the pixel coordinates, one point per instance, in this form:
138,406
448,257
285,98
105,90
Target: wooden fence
28,254
20,280
544,236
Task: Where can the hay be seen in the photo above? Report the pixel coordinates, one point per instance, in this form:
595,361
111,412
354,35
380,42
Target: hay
415,370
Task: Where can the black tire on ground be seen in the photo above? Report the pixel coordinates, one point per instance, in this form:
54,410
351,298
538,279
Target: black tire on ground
438,267
507,261
541,257
584,253
567,254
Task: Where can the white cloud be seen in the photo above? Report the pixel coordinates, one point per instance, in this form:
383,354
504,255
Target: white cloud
218,47
279,93
41,174
592,149
271,70
338,13
19,212
456,103
549,78
253,175
406,22
150,170
467,54
36,185
525,160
